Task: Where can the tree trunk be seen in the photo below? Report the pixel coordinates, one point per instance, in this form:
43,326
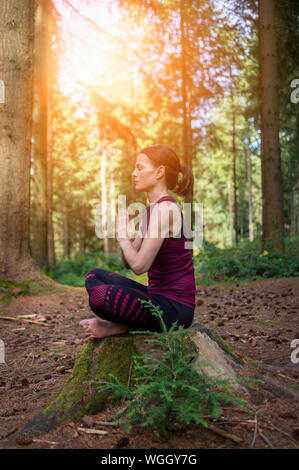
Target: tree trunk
114,355
132,147
40,123
104,201
293,211
65,228
230,208
187,130
273,217
50,230
234,155
250,216
185,145
112,205
16,52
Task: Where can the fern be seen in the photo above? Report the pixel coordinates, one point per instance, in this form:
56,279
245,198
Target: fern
169,389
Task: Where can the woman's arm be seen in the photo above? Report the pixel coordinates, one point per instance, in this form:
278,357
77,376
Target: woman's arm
124,261
136,244
158,229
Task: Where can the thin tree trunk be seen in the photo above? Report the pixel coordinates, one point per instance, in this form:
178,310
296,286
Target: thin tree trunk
113,204
186,134
104,202
189,101
39,186
250,216
65,228
133,146
186,155
16,52
293,210
273,217
234,165
51,243
230,208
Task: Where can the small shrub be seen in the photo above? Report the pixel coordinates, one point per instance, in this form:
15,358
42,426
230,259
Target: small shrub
72,271
169,389
12,289
246,262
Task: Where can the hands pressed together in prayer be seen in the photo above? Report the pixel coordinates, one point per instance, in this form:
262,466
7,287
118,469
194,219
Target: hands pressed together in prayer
122,226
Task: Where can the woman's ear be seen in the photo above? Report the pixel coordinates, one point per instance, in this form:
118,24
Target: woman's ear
161,171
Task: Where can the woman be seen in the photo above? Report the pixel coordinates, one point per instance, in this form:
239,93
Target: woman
160,251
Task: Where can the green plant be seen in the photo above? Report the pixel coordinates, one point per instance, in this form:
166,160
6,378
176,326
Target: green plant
72,271
168,388
12,289
245,262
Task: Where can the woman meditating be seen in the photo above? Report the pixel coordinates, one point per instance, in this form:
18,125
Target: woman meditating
159,251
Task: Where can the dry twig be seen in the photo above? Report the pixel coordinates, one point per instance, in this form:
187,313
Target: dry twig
225,434
24,320
255,430
106,423
266,440
92,431
284,433
43,440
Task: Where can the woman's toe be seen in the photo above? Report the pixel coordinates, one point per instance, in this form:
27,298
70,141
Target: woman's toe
85,323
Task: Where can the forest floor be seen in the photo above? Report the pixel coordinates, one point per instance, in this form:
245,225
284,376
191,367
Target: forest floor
259,319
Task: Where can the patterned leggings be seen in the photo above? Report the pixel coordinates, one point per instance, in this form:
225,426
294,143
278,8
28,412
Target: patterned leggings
116,298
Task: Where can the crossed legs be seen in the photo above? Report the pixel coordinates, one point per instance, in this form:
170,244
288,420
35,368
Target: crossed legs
115,300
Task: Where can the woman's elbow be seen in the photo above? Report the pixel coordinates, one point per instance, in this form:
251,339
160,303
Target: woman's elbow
138,270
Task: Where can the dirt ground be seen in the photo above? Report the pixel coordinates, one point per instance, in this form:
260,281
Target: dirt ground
258,319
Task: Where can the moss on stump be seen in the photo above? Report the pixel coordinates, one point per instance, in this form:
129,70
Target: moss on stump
114,355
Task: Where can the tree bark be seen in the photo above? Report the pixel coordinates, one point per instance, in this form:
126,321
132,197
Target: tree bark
65,227
16,71
113,205
293,211
250,216
50,230
273,217
104,201
186,155
230,208
187,131
234,155
40,124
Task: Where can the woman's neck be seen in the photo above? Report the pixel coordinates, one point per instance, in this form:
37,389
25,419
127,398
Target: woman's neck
155,196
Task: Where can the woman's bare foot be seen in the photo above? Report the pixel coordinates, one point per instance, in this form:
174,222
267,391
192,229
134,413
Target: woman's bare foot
99,328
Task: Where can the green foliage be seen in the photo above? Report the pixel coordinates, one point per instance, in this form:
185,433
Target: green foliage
168,388
246,262
12,289
72,271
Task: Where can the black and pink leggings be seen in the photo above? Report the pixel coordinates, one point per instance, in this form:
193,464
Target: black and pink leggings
115,298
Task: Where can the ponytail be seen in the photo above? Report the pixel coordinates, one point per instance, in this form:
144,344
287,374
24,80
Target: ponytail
185,185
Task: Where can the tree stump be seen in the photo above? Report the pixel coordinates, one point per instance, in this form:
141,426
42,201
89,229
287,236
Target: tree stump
100,357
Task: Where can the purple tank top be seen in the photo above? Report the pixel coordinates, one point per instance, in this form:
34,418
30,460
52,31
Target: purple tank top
172,271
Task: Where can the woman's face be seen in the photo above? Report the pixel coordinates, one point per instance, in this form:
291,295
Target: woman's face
144,174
